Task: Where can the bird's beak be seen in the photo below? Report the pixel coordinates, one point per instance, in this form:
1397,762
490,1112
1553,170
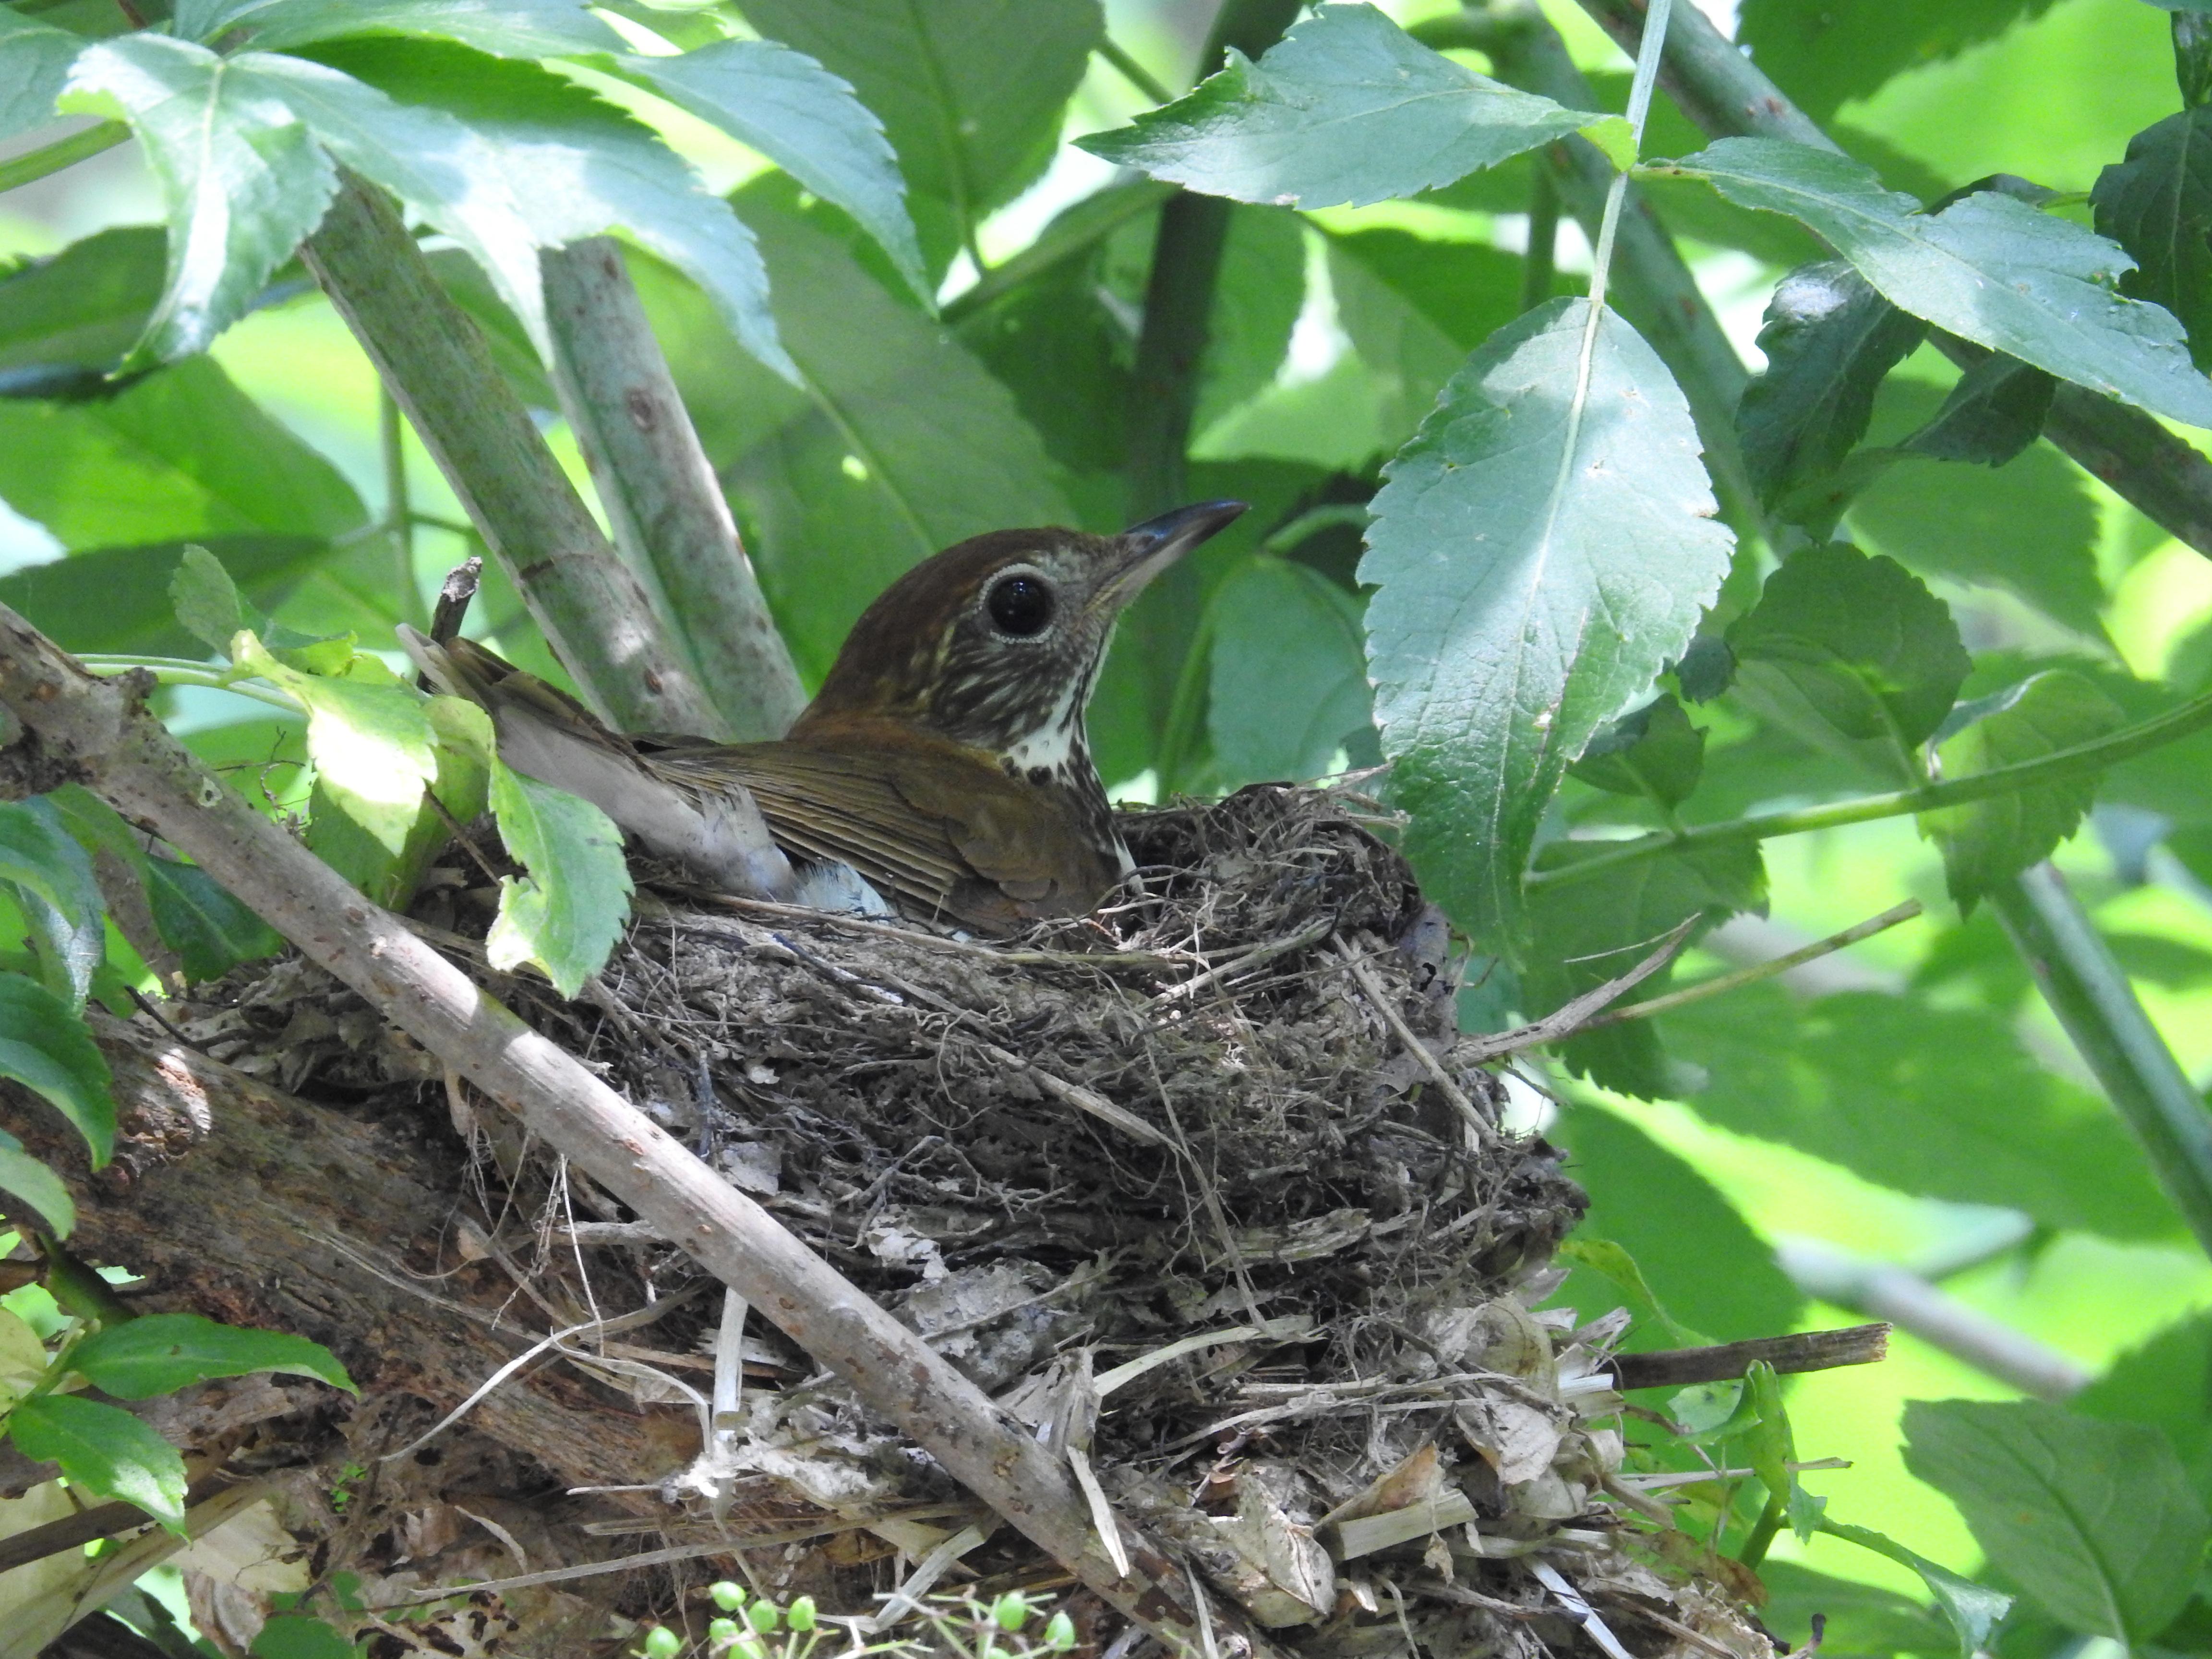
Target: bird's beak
1150,547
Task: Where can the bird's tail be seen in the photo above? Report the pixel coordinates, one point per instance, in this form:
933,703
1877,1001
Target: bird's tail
549,736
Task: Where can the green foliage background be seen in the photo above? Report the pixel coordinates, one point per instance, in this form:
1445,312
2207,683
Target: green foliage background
1927,1113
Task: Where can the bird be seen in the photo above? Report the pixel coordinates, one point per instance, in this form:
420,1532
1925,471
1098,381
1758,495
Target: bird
944,763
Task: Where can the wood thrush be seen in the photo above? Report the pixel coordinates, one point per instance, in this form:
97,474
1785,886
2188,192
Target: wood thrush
944,759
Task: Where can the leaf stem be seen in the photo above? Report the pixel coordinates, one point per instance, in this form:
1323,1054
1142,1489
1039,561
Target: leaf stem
36,164
2054,768
2089,991
1132,71
179,670
398,518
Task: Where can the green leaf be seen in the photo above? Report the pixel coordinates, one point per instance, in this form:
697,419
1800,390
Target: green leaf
1859,644
1289,680
508,157
1994,411
1825,52
1992,840
1414,309
2157,204
1257,296
906,444
1612,1261
1938,1103
207,601
1347,109
506,29
1654,753
803,119
1539,563
66,322
103,1450
159,1353
34,66
71,931
566,914
1829,340
46,1046
210,931
1988,269
37,1186
116,598
242,181
2163,1382
1695,1253
2095,1520
970,92
1862,1619
1583,933
182,455
1973,1609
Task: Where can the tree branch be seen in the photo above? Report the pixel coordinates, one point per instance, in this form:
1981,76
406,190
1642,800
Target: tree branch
594,614
1807,1350
2165,478
2089,991
76,725
669,515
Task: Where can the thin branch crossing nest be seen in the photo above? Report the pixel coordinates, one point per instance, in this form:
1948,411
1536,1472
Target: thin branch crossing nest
1194,1188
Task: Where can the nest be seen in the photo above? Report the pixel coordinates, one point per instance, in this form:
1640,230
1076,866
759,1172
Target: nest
1192,1186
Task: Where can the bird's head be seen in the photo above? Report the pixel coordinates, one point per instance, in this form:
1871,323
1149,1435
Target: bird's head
994,643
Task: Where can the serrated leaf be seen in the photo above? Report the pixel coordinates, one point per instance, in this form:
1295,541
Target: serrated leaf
45,1046
207,602
1585,932
1347,109
1994,411
159,1353
506,29
507,157
2157,203
2095,1520
1654,753
66,322
2163,1382
1988,268
803,119
568,913
1829,340
242,180
103,1450
1988,842
34,66
210,931
1973,1609
971,93
1289,677
37,1186
1936,1102
1538,564
1860,643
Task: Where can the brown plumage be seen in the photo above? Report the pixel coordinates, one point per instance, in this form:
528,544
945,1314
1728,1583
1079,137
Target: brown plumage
944,759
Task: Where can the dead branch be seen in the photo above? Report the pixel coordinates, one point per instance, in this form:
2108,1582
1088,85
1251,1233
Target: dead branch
1809,1350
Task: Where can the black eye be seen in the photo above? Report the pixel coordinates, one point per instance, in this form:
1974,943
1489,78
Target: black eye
1020,606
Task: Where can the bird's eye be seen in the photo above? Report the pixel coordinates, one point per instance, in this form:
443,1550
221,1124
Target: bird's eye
1020,606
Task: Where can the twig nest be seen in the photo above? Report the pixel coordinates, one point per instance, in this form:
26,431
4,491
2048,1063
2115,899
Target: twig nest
1171,1186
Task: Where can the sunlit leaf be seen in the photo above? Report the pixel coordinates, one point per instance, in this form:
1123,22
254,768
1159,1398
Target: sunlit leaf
26,1178
103,1450
1348,108
2095,1520
1988,842
1988,268
242,180
507,28
207,601
1973,1609
1538,562
567,914
159,1353
805,120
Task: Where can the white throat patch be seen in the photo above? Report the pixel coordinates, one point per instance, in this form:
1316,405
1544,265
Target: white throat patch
1053,742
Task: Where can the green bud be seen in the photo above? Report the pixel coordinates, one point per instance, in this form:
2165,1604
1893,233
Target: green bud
662,1643
761,1615
1011,1611
799,1616
724,1631
749,1646
728,1596
1059,1632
